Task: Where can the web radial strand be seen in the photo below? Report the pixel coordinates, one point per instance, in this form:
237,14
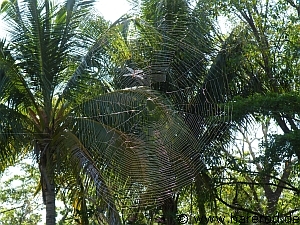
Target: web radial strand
162,124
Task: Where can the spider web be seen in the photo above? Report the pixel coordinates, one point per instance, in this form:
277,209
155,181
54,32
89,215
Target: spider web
165,119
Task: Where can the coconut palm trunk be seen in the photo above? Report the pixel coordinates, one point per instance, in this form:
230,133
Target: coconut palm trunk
48,190
50,203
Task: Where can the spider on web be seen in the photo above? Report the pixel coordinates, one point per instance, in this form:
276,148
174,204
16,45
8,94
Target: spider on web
138,75
134,73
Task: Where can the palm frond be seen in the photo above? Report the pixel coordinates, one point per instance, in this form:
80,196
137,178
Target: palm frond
100,43
139,143
14,136
84,168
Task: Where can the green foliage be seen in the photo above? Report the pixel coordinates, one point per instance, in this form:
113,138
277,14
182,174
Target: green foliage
18,204
259,168
266,104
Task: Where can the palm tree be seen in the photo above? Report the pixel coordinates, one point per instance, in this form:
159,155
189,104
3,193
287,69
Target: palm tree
175,51
56,103
38,68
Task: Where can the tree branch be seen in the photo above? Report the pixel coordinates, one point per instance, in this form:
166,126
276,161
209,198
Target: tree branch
238,207
7,210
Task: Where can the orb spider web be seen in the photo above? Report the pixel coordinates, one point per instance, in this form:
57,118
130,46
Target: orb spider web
165,118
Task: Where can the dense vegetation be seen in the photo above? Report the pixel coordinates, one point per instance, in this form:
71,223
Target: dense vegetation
157,118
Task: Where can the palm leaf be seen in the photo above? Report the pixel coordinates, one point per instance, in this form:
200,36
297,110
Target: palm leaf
138,142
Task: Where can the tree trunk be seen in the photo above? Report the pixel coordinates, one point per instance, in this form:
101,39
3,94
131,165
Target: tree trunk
169,209
48,186
202,181
50,205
